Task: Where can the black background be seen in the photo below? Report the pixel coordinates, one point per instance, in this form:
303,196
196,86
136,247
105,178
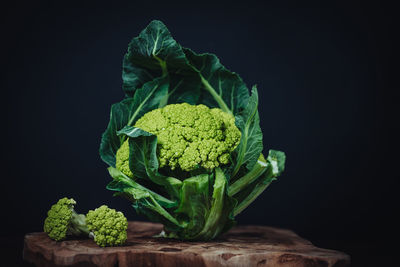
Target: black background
328,97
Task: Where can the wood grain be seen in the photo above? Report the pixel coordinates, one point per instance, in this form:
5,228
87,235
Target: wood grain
241,246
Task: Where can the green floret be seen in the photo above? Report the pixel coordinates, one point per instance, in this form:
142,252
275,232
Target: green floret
189,137
107,226
62,220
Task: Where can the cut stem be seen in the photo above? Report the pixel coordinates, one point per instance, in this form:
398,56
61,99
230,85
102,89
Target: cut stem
78,225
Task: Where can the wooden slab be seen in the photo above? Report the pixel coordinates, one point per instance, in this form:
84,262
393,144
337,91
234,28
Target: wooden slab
241,246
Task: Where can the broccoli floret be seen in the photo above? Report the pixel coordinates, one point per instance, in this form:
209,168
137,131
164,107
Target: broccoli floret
189,136
107,226
62,220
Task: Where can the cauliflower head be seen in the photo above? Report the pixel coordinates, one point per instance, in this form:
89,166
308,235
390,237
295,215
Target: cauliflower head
59,217
189,136
107,226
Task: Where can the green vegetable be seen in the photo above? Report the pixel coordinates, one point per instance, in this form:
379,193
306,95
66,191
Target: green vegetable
62,220
189,137
106,226
185,144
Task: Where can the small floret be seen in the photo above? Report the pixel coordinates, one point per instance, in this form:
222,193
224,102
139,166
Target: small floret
189,137
107,226
62,220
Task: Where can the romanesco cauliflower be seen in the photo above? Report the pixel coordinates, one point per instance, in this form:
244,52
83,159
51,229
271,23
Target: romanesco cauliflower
189,136
185,144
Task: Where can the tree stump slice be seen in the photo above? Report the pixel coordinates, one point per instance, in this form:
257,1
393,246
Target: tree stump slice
241,246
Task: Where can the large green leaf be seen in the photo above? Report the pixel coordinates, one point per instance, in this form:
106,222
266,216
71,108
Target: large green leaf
120,114
134,77
143,160
222,88
127,112
184,89
218,218
155,53
250,146
148,98
152,54
194,204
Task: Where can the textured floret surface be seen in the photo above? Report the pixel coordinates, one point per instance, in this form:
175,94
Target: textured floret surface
122,159
189,137
59,218
108,226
